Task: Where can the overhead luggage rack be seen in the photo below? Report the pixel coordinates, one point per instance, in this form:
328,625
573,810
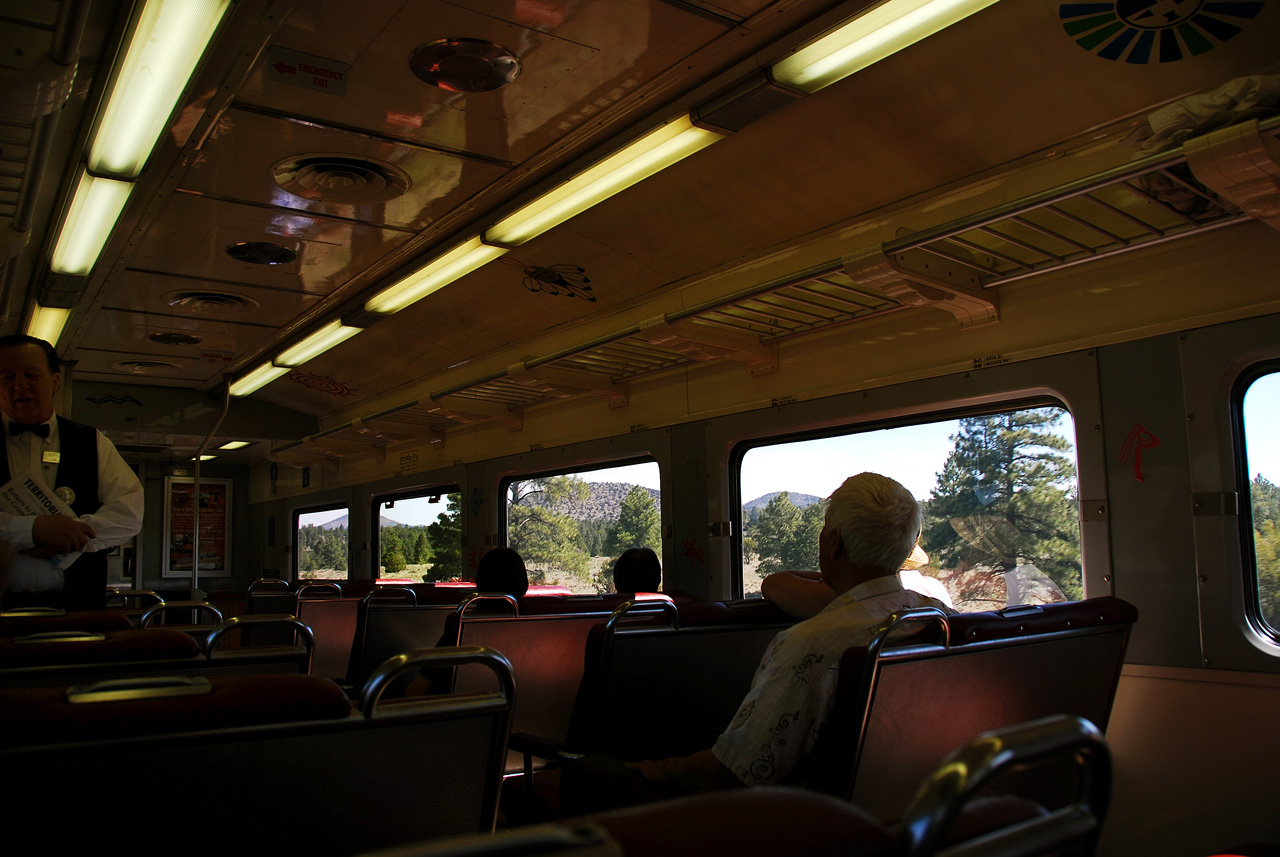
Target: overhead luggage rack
955,266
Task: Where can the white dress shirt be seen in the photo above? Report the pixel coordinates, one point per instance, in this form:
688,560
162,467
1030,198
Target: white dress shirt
794,687
117,521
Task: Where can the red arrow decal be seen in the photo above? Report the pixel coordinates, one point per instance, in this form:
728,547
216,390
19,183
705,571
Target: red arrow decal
282,68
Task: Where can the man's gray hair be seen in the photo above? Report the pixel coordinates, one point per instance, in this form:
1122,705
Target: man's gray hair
878,519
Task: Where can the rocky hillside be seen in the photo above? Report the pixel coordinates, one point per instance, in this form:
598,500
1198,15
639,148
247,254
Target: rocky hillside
605,502
800,500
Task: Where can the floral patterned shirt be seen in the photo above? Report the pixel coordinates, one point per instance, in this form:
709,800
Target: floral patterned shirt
794,687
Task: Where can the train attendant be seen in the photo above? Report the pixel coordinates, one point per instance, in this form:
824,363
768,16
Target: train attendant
78,464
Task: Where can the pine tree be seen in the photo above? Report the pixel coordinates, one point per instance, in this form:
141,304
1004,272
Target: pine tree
544,536
444,538
638,524
785,537
1265,500
1005,496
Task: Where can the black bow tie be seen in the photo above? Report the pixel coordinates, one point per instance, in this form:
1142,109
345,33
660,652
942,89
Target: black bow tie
17,428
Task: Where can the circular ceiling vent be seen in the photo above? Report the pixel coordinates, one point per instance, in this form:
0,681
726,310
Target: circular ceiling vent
175,338
465,65
262,253
146,367
340,178
210,303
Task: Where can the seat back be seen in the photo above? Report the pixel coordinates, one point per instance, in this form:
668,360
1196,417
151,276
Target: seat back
654,691
900,709
383,630
333,621
545,652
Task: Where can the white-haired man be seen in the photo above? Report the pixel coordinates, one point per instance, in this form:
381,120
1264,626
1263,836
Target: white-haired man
872,524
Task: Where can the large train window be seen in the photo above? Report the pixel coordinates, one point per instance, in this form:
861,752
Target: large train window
320,543
999,490
1261,415
570,527
419,536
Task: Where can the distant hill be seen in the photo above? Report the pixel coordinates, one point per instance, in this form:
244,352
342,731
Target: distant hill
799,499
342,522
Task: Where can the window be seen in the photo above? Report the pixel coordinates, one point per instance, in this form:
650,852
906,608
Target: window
1261,410
419,537
999,491
320,543
570,527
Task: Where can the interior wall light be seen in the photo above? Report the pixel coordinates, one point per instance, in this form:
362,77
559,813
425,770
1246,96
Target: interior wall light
652,153
46,323
168,42
869,38
440,272
258,378
94,210
317,343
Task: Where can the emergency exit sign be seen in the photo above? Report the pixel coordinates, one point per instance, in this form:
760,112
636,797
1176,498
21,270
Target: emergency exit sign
307,71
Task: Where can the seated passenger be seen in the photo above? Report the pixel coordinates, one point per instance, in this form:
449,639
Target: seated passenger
871,525
637,570
803,594
502,570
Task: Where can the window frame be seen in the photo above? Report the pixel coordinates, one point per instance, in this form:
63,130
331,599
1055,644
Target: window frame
923,417
578,468
1248,547
298,512
375,516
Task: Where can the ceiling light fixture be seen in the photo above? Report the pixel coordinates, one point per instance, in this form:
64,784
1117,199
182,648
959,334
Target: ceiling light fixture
93,213
440,272
869,38
168,42
46,323
235,444
317,343
258,378
652,153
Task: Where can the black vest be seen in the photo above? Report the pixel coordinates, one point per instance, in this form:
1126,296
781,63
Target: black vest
85,582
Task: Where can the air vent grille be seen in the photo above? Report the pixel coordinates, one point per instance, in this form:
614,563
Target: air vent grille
146,367
210,303
340,178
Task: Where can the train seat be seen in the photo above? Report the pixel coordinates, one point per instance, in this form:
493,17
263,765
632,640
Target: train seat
633,705
19,623
900,706
281,764
67,656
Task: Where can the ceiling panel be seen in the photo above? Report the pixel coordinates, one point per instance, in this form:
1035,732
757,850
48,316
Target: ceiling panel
576,59
262,146
329,250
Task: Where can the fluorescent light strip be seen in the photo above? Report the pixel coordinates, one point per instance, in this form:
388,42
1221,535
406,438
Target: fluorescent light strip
205,457
47,322
440,272
258,378
652,153
869,38
94,210
235,444
317,343
169,41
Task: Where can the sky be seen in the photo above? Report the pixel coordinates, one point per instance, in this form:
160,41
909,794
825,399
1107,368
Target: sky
913,455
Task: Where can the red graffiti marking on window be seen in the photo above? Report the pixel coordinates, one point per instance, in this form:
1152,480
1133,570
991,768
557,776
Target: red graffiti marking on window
692,551
1139,439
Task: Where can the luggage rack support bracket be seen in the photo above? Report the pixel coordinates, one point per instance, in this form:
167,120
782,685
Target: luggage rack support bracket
918,278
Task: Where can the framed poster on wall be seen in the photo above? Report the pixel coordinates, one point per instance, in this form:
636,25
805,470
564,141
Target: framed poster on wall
215,526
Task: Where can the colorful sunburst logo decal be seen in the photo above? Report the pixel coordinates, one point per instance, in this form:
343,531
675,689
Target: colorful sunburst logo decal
1143,31
321,383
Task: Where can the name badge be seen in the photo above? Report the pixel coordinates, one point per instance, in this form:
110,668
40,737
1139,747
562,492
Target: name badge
51,457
